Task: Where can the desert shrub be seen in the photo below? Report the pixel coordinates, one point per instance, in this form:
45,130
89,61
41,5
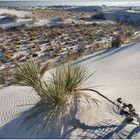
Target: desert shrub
99,16
116,42
126,18
59,93
130,8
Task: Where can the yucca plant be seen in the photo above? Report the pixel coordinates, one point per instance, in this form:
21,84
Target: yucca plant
59,92
29,74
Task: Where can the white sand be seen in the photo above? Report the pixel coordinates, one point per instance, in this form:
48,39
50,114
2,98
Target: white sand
111,14
12,21
18,13
118,71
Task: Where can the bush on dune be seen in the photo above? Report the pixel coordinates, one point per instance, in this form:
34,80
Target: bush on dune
59,92
116,42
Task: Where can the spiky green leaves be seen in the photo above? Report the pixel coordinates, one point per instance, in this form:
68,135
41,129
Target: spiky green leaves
65,82
29,74
59,92
69,78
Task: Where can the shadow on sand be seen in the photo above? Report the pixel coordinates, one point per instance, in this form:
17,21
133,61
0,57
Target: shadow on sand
135,131
30,124
99,131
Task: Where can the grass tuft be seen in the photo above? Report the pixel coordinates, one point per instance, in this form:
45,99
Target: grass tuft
58,93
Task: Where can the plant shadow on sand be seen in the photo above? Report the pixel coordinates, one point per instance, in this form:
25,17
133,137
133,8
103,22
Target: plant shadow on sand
30,124
135,131
101,130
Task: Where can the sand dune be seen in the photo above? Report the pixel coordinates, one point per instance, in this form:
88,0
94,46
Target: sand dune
117,75
17,13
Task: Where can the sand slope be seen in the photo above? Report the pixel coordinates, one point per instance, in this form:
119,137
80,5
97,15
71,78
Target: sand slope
117,75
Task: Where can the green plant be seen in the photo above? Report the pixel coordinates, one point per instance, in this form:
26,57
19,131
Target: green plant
29,74
59,93
116,42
